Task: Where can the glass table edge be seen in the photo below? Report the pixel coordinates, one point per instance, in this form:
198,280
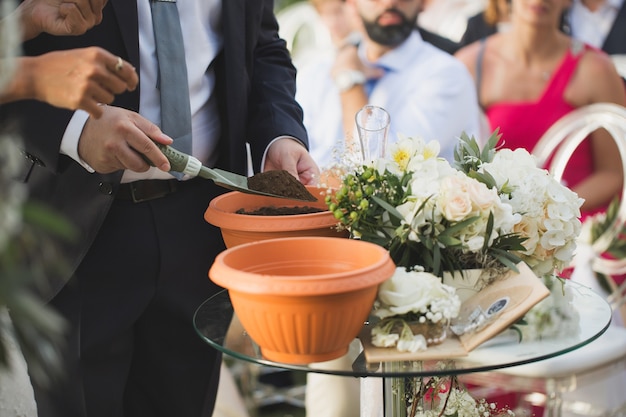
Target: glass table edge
373,369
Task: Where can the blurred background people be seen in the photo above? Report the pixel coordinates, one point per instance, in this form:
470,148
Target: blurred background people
495,18
530,76
314,29
449,18
341,23
601,24
393,67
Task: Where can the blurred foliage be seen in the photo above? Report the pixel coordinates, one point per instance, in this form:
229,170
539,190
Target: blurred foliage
28,255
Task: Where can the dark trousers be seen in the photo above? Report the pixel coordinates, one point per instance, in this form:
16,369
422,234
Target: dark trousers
132,350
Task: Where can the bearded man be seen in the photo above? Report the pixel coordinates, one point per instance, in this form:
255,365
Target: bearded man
426,91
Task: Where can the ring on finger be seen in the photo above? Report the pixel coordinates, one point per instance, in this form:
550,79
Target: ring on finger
119,65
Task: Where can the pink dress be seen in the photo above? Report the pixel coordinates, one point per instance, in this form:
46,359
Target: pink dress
523,123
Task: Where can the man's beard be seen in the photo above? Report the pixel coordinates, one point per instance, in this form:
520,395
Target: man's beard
391,35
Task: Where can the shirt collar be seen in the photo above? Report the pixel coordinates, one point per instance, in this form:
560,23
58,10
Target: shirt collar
399,57
616,4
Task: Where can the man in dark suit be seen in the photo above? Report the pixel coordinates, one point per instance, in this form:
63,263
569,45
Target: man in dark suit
139,268
600,24
609,36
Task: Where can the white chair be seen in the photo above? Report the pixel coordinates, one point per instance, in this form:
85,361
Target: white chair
588,381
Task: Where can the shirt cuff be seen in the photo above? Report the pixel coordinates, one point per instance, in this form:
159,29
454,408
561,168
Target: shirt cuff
71,136
271,143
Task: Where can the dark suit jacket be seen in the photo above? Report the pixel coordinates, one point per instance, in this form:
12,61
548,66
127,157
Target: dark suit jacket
255,84
439,41
477,28
615,42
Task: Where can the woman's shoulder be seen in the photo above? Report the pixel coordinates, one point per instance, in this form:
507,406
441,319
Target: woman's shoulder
596,60
479,50
597,78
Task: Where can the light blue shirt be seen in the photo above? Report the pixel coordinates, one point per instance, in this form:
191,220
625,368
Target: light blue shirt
427,92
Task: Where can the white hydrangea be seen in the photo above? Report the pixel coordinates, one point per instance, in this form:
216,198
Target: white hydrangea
550,212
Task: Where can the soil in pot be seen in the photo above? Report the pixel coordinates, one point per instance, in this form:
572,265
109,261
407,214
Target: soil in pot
280,211
280,182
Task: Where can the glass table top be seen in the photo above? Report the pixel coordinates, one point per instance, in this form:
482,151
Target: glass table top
215,324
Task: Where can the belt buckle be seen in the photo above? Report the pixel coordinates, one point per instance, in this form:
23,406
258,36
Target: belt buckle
137,196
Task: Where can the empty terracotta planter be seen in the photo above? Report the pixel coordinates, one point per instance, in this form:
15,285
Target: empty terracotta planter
302,299
243,228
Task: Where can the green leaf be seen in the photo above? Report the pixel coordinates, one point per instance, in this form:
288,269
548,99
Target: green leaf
388,207
48,220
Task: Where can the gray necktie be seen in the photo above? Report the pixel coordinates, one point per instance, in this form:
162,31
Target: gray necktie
172,81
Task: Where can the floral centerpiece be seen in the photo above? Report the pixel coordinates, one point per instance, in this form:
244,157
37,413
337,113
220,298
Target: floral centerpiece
489,209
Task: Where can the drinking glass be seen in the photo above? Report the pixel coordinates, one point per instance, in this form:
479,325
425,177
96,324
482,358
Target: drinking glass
372,124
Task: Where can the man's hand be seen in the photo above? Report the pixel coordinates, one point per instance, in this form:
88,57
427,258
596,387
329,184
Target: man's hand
72,79
293,157
117,139
59,17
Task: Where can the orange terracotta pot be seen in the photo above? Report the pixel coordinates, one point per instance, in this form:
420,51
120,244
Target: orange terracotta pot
302,299
241,228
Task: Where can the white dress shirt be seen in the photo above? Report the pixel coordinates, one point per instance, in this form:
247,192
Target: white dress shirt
201,28
592,27
427,92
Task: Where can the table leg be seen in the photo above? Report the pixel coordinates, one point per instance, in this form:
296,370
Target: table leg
394,397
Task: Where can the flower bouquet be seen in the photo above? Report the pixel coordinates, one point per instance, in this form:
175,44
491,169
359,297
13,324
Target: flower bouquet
446,396
490,209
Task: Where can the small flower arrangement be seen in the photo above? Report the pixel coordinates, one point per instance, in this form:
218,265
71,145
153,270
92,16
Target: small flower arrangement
412,296
446,396
594,228
491,209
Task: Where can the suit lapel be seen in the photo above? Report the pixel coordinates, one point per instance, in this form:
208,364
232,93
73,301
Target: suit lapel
615,42
126,14
233,82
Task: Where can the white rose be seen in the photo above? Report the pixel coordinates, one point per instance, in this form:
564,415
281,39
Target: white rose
482,196
453,200
416,291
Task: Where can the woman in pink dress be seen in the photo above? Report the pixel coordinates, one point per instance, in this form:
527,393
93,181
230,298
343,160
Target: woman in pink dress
533,74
